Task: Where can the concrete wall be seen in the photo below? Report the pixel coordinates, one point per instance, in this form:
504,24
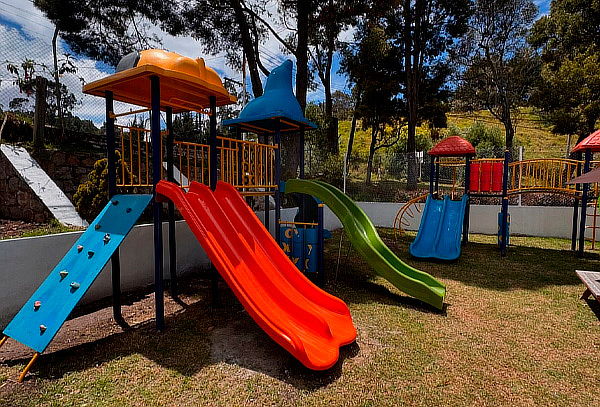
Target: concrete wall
545,221
26,262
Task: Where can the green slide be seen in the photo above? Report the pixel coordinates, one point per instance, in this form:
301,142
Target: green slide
365,239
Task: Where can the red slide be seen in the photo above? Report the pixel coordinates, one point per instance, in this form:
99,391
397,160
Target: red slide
303,319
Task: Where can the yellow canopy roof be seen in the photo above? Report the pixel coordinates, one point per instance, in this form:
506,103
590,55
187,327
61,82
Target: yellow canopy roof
185,83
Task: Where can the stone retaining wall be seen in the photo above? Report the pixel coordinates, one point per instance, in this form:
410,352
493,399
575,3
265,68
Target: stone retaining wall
67,169
17,200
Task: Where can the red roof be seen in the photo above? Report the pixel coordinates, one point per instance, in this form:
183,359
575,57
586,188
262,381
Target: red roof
452,147
591,142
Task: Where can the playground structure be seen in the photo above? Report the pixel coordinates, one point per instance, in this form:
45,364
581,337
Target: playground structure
503,178
444,220
208,190
305,320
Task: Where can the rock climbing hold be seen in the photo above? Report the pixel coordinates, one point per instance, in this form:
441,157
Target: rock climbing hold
75,285
128,210
37,305
97,226
90,253
106,238
63,273
43,328
79,248
115,202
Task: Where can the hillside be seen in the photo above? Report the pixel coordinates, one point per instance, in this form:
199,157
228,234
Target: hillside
535,136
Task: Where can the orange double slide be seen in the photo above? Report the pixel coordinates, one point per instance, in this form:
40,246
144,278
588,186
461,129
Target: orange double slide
305,320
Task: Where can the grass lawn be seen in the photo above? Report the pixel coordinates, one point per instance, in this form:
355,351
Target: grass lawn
514,333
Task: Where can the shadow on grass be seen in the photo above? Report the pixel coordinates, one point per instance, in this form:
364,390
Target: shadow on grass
529,268
195,337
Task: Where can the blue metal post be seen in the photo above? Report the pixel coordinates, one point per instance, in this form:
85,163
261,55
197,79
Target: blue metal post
584,198
171,205
240,169
320,243
277,143
431,173
576,206
156,175
264,139
465,237
213,142
504,223
111,157
437,176
213,177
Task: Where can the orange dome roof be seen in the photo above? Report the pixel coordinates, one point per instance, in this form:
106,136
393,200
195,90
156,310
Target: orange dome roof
452,147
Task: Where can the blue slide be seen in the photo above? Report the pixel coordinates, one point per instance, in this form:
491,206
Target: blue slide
36,324
440,233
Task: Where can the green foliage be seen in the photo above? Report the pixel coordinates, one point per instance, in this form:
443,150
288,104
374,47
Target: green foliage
330,170
487,140
92,195
569,95
24,77
498,67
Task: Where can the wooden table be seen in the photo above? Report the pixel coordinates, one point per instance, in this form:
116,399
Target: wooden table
591,280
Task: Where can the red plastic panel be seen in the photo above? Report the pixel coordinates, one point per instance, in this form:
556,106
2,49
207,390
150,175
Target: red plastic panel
474,177
497,170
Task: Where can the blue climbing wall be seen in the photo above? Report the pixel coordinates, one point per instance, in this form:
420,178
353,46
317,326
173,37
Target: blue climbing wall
36,324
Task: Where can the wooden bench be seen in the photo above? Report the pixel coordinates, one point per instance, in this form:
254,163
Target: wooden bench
591,280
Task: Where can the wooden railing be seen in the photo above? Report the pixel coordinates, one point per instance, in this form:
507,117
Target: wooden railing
543,175
191,163
134,146
247,165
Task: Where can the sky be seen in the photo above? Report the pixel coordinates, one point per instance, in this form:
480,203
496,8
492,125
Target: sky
26,33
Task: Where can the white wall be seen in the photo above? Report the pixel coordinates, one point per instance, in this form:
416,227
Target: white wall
545,221
26,262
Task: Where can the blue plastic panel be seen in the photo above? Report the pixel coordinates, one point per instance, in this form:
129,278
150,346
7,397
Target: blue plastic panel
440,231
61,292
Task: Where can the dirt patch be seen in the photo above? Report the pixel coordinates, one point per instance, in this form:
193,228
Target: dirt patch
95,321
14,228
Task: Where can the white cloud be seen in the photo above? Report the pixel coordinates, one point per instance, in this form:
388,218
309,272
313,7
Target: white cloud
26,33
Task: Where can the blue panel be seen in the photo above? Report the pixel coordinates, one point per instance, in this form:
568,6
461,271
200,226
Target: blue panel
440,231
61,292
424,244
298,248
310,250
277,101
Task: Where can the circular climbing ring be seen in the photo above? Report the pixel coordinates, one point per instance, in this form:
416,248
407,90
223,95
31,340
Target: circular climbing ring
407,212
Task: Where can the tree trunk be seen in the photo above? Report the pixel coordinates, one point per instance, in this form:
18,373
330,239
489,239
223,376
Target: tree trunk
412,93
39,118
57,90
351,139
248,46
291,142
332,128
371,154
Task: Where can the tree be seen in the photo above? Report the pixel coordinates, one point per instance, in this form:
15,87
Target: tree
371,65
569,93
24,74
110,29
499,69
423,31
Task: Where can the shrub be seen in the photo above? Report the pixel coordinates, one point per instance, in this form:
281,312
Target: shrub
487,140
92,195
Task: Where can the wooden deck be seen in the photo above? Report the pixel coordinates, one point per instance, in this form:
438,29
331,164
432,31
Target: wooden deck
591,280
